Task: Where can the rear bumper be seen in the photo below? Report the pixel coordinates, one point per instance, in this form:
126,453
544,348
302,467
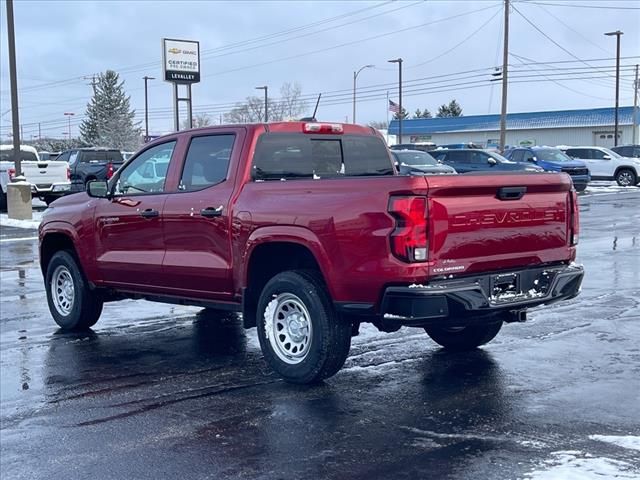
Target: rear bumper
51,190
468,299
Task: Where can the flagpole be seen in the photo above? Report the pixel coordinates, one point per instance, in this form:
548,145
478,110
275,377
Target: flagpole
387,115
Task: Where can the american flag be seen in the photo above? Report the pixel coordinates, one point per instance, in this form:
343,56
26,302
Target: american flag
394,107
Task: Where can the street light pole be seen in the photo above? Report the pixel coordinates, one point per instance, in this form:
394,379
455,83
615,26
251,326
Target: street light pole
399,62
266,102
146,108
617,34
69,114
355,77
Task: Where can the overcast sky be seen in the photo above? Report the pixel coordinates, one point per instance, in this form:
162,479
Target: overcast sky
449,49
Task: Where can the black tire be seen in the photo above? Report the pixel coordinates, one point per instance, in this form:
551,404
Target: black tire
3,200
49,199
464,338
625,177
84,310
581,187
328,338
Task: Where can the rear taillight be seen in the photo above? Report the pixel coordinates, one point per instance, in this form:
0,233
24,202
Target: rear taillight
574,227
68,173
109,170
11,172
409,239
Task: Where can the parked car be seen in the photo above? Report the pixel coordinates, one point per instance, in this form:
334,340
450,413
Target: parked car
49,179
553,160
422,146
91,163
630,151
475,160
458,146
605,164
415,162
306,229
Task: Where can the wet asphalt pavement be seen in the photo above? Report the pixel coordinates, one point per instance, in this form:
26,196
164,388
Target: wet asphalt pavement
158,391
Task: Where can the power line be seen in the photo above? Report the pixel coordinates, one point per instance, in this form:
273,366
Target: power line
575,5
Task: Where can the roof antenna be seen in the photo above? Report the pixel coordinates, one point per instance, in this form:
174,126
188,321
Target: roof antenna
312,118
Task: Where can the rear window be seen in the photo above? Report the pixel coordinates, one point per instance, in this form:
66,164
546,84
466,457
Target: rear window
289,156
101,156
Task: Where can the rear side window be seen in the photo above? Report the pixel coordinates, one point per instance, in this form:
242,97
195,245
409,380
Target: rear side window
579,153
289,156
207,162
516,156
458,156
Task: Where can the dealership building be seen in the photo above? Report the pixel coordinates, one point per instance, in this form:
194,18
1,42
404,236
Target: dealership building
562,127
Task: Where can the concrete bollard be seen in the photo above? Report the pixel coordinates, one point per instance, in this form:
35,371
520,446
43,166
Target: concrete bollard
19,201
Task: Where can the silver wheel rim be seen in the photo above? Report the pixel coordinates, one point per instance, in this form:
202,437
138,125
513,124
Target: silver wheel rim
288,328
624,179
62,290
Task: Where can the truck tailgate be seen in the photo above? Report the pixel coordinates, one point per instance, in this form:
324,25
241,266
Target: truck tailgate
45,173
483,223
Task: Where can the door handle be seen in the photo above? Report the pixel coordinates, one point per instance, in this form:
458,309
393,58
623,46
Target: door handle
511,193
149,213
211,212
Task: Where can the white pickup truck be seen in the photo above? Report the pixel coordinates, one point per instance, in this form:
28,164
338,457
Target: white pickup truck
49,179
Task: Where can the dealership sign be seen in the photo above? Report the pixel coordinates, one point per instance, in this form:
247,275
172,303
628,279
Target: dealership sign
181,60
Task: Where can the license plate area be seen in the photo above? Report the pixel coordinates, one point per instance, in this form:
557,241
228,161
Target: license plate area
505,285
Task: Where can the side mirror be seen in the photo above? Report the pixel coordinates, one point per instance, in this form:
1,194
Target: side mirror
607,157
98,189
533,159
492,161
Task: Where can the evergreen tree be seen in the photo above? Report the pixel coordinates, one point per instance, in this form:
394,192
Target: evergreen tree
422,114
404,115
109,119
453,109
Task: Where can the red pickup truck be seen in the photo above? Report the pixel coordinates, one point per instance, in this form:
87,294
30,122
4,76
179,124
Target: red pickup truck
307,230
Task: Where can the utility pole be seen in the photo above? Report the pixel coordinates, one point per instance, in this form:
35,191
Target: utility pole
146,108
69,114
93,82
617,34
355,77
505,69
399,62
266,102
13,76
39,132
636,87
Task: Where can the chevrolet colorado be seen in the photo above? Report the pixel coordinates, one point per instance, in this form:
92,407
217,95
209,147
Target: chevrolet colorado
307,230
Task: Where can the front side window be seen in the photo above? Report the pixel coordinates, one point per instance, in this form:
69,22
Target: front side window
207,162
579,153
517,156
147,172
479,158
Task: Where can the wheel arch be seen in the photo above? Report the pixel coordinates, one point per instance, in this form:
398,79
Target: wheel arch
270,252
54,239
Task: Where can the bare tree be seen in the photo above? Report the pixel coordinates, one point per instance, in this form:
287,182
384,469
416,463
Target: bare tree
287,107
200,120
380,125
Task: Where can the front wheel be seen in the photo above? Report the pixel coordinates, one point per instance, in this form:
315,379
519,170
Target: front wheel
626,178
464,338
73,305
301,335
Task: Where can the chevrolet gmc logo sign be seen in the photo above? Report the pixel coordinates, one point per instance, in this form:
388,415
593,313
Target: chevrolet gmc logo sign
521,217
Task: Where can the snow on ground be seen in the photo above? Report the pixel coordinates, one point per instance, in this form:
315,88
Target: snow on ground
597,187
576,465
5,221
628,441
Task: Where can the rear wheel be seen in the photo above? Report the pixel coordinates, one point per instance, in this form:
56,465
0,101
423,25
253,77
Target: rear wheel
49,199
464,338
73,305
3,200
301,335
626,177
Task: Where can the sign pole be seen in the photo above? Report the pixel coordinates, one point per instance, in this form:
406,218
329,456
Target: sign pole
176,109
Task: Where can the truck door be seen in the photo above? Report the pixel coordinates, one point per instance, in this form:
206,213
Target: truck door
198,218
129,237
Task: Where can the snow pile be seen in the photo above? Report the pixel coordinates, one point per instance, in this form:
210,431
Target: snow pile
575,465
5,221
630,442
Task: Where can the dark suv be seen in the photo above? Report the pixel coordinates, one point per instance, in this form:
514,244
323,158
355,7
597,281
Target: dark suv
476,160
88,164
630,151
